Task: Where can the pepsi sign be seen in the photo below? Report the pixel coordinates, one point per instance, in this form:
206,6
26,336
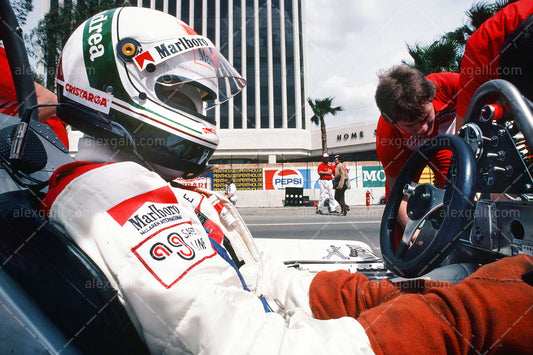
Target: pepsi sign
279,179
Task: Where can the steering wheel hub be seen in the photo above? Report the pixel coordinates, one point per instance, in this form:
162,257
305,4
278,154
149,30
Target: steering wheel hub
418,203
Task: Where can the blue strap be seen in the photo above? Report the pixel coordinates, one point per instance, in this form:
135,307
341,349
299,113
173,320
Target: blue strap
222,252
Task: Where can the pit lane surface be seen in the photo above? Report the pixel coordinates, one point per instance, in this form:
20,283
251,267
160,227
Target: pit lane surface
361,224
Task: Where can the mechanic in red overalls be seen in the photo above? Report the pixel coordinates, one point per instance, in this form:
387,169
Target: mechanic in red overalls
8,100
414,108
501,48
441,319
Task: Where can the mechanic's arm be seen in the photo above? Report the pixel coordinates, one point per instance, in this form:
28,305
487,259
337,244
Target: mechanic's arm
459,121
45,96
402,210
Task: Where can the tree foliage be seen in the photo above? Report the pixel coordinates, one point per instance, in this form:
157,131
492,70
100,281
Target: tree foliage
321,108
439,56
57,25
22,8
446,53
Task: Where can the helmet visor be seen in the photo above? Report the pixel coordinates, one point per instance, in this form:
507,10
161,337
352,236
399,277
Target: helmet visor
189,61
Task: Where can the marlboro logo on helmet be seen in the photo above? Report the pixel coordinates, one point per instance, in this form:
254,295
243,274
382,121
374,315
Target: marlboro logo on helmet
165,51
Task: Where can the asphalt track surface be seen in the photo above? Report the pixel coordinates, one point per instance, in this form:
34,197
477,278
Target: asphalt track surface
361,224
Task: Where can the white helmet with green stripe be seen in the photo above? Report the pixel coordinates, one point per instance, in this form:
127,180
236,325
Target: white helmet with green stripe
141,80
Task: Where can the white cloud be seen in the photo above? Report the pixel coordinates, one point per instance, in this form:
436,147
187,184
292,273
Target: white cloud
349,41
356,100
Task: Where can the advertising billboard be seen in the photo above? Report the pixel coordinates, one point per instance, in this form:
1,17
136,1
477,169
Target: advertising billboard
373,176
244,179
279,179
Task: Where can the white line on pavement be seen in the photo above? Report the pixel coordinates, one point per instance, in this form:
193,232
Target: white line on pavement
309,223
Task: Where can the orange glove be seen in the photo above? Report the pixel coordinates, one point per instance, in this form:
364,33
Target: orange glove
340,293
489,312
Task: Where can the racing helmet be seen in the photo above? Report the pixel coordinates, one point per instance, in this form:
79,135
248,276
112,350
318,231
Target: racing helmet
140,81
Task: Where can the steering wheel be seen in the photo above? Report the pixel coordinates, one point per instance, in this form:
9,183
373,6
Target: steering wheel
436,217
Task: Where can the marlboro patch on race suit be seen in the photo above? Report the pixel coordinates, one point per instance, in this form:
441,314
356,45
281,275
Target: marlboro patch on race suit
172,252
168,245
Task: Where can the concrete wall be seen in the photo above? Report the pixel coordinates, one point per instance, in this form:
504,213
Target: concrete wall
274,198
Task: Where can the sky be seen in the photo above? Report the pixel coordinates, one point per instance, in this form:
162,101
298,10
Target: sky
350,42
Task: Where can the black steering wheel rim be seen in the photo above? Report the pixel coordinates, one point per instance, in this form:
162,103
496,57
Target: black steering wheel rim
457,209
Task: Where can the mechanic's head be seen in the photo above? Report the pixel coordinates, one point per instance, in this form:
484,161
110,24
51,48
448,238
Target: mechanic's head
139,80
325,157
405,98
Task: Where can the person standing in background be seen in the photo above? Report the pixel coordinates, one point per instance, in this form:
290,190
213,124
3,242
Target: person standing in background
231,191
325,172
341,184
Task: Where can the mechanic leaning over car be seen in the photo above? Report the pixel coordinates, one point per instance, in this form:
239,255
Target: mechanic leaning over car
414,108
172,251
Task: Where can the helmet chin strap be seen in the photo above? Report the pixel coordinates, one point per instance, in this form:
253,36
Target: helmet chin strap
93,150
137,157
98,151
167,174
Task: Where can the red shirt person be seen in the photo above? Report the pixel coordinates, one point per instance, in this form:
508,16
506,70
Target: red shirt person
8,100
325,169
405,130
501,48
325,172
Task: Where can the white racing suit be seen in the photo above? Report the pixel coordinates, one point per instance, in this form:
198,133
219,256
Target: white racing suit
176,283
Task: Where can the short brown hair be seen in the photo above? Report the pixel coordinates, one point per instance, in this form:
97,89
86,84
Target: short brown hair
402,92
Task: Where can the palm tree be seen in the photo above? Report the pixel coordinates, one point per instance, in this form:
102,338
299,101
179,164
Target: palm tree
321,108
446,53
437,57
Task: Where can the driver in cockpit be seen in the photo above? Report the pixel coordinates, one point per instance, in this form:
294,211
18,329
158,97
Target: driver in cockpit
171,252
